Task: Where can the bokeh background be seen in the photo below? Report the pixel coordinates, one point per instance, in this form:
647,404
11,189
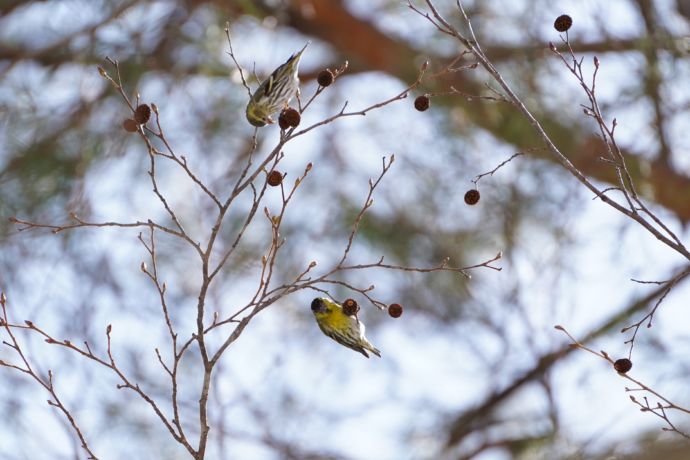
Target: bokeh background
474,367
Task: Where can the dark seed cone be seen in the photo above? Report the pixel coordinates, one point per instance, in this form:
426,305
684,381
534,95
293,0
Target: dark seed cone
622,365
130,125
422,103
395,310
142,114
289,118
563,23
282,122
350,307
325,78
472,197
275,178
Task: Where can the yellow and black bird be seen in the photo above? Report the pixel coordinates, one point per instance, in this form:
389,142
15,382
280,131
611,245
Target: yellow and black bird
275,92
344,329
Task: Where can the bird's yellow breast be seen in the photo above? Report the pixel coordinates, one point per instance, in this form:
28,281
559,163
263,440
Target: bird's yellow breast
334,318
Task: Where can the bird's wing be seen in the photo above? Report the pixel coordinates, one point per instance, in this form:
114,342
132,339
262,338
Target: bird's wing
360,329
357,326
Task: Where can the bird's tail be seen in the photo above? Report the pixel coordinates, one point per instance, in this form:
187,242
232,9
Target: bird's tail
373,349
299,53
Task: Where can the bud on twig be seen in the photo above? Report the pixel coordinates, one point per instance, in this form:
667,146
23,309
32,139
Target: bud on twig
563,23
275,178
325,78
422,103
289,118
472,197
142,114
130,125
350,307
622,365
395,310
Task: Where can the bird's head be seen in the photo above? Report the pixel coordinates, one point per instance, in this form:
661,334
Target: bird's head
257,116
322,305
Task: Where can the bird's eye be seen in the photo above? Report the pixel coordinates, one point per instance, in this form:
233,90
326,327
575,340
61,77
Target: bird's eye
316,304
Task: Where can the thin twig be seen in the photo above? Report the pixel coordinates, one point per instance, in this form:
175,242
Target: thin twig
667,237
659,410
46,384
237,64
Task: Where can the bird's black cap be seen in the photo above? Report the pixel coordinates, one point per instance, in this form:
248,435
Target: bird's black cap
316,304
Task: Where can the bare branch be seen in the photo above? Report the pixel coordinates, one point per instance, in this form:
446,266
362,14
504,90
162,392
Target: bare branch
665,236
237,64
46,384
659,410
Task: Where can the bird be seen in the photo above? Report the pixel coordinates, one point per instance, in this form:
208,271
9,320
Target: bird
275,92
344,329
